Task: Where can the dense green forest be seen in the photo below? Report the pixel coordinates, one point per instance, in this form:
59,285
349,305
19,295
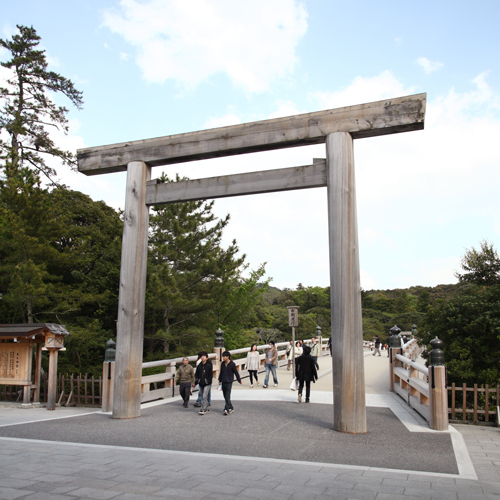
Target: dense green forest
60,260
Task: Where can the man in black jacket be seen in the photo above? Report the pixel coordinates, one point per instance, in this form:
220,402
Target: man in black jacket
226,378
305,371
203,377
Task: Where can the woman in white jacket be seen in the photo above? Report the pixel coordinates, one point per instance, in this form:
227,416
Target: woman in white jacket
252,364
298,349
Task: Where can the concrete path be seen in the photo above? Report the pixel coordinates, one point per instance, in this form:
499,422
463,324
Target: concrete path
271,447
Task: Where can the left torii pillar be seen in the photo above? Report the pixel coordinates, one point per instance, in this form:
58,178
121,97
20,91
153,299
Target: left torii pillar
131,302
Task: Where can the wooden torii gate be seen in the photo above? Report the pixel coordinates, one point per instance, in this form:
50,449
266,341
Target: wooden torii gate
336,128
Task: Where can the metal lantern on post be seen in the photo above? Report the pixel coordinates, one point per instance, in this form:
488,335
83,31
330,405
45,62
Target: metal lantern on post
395,340
414,329
219,339
110,352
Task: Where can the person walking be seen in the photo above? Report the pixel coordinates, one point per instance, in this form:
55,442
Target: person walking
377,346
226,378
298,349
330,345
209,395
252,364
203,377
289,354
315,350
271,357
185,377
305,371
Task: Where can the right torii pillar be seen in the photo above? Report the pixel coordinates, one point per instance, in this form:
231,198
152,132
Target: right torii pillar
349,410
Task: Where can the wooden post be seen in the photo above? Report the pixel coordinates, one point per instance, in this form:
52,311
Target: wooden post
27,388
393,362
52,391
131,302
108,380
349,408
38,372
438,398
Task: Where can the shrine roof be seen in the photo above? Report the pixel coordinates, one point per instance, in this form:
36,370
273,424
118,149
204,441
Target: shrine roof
30,329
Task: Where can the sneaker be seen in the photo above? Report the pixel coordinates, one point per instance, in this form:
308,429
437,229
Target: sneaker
197,405
307,401
231,410
264,387
208,405
225,412
275,385
300,398
202,412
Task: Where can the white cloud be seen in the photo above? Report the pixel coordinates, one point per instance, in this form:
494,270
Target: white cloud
285,108
191,41
222,121
376,88
123,56
429,66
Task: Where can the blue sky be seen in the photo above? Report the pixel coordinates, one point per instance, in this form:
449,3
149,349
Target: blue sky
158,67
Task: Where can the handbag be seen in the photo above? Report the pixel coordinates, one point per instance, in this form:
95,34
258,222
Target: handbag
219,387
294,385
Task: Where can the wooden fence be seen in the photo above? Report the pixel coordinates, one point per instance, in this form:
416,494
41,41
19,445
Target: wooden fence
473,404
72,390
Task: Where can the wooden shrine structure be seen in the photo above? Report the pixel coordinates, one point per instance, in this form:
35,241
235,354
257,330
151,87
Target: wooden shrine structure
337,129
17,343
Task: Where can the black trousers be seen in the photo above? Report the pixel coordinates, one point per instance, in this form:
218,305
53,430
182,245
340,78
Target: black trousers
308,387
226,391
185,391
254,373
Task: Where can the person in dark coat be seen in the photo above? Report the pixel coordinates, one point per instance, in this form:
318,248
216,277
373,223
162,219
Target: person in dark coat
203,377
227,373
305,371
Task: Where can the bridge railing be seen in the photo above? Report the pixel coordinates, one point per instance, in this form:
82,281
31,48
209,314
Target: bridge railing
149,383
423,388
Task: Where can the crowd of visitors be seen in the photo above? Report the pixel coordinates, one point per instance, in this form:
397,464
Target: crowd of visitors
189,378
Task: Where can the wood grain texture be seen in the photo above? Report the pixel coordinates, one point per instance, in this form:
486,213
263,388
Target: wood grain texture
438,400
349,408
390,116
268,181
131,302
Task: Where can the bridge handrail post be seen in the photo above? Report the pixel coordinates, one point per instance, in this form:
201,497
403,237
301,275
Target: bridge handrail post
438,392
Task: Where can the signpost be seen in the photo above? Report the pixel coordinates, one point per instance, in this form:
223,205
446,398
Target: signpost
293,321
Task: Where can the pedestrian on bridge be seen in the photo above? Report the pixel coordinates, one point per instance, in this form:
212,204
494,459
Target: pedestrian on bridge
305,371
228,371
315,351
252,364
209,395
377,346
185,377
203,377
271,360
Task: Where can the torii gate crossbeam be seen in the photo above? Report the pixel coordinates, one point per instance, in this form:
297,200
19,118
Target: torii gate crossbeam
336,128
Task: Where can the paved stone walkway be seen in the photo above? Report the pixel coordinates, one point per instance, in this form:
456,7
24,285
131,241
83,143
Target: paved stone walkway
39,469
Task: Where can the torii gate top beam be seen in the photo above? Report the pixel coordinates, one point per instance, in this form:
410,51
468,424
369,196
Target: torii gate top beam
390,116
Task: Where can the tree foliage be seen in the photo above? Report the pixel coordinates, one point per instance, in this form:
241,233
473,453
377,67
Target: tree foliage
480,267
469,322
195,285
29,112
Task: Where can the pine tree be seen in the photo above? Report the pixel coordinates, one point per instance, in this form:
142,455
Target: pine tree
28,112
194,284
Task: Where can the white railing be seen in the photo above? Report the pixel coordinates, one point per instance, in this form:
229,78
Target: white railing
149,392
411,380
